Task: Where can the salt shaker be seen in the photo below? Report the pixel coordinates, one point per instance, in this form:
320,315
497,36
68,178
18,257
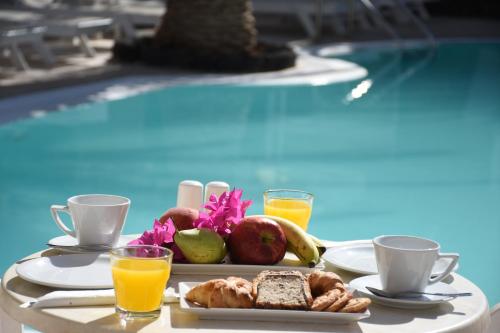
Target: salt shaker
215,187
190,194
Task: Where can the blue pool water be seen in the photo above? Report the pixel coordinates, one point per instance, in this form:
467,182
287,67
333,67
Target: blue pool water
413,148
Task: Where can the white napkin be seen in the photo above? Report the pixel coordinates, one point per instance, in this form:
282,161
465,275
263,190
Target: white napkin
69,298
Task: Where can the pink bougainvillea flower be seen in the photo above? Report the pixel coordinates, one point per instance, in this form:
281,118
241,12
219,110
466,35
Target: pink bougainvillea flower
160,235
145,239
223,213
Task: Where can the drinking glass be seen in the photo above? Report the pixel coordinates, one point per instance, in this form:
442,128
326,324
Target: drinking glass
293,205
140,275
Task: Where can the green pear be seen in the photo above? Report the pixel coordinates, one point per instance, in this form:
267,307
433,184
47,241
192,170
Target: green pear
201,246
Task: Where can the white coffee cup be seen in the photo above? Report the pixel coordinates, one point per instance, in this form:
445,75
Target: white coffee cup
405,262
98,219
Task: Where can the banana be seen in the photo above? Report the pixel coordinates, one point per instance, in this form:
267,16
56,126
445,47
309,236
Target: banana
319,244
298,241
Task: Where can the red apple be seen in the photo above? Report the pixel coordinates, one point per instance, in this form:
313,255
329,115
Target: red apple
257,241
183,218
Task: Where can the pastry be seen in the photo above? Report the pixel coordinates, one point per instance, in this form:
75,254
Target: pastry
241,283
320,303
233,293
356,305
340,302
321,282
201,293
219,293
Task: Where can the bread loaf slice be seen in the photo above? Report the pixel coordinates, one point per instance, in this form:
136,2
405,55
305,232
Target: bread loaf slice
286,290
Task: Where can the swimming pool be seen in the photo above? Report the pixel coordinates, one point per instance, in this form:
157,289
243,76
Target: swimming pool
412,148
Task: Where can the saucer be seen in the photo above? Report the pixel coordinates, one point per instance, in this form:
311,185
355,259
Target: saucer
425,301
70,244
359,257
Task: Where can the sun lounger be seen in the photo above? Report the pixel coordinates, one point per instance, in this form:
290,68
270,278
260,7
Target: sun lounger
134,13
11,38
312,14
60,24
126,14
80,27
338,13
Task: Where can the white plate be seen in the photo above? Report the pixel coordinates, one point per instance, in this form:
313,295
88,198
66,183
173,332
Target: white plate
73,271
425,301
359,258
65,243
265,314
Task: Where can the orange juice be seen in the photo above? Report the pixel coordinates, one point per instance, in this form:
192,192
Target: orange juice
139,283
295,210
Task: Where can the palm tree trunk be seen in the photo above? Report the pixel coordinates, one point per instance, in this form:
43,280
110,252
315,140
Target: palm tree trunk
219,26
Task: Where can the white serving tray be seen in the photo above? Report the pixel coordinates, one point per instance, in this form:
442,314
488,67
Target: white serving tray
265,314
226,268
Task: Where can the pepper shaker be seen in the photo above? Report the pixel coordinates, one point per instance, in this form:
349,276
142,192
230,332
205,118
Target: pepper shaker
215,187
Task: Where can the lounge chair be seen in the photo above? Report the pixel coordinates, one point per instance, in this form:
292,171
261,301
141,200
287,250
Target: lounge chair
79,27
60,24
338,13
126,14
11,38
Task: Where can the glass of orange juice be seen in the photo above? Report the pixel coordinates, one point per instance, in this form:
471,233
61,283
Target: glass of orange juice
140,275
293,205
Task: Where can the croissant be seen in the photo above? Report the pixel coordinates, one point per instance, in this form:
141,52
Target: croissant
241,283
231,293
322,282
201,293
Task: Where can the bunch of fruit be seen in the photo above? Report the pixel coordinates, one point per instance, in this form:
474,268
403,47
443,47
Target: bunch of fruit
254,240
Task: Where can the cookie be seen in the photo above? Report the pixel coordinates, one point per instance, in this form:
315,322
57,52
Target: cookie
322,302
340,302
356,305
340,286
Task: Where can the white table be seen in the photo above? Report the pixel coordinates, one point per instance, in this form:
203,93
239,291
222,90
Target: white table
465,315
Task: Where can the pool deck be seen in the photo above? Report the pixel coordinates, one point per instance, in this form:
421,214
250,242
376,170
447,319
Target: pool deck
74,68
